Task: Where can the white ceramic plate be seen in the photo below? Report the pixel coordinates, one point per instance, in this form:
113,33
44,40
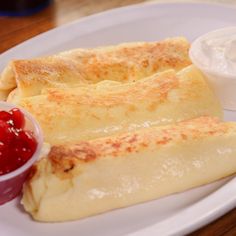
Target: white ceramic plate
174,215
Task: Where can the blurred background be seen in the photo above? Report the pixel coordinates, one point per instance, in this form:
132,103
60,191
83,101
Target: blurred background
23,19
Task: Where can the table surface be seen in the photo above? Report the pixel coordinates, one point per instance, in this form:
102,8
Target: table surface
15,30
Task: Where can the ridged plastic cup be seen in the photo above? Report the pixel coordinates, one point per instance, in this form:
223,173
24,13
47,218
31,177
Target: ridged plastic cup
11,183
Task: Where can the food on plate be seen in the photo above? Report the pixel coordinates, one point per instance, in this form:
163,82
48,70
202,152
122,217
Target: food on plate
215,54
85,178
17,145
125,62
4,93
20,147
125,124
83,113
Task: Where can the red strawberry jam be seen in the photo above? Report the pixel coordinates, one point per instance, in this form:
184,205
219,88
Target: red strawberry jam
16,144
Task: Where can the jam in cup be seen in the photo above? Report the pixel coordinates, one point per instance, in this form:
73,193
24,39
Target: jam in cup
20,146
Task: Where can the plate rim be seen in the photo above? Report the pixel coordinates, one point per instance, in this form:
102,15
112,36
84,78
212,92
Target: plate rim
116,10
182,229
231,185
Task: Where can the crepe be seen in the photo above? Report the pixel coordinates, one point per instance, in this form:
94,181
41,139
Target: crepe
86,178
68,115
125,62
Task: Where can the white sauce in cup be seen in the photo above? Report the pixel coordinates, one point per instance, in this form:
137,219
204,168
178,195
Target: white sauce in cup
215,54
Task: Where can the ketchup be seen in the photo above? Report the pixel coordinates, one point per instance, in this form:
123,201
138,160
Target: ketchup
16,144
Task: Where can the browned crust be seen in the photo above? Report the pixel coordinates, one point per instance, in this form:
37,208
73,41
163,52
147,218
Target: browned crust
157,88
64,158
131,61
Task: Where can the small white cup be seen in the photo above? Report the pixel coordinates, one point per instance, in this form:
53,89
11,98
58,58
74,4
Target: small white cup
223,84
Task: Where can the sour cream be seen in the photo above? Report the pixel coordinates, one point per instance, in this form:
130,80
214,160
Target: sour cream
215,54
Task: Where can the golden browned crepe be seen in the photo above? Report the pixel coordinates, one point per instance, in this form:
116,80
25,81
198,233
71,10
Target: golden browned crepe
90,177
66,115
106,112
125,62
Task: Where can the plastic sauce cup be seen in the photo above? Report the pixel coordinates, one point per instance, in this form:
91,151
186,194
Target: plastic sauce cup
11,183
222,82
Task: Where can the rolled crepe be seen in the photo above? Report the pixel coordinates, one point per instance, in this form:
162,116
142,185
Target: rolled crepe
68,115
87,178
125,62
